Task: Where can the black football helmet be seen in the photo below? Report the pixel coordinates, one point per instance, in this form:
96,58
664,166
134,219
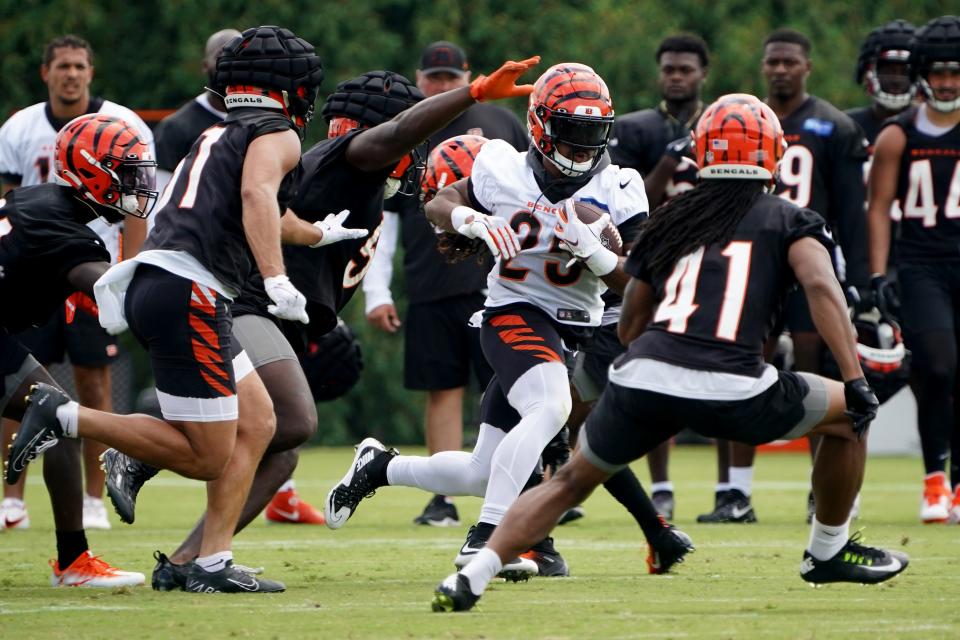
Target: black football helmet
332,363
885,47
936,45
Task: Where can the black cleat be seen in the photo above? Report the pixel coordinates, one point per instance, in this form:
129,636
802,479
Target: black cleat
453,594
664,503
667,549
518,569
571,514
550,564
168,576
358,484
124,478
854,563
39,429
736,508
439,512
230,579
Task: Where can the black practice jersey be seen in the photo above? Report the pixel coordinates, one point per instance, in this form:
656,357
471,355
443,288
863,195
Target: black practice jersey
43,235
328,276
868,120
176,133
201,211
928,189
703,319
639,140
822,169
429,276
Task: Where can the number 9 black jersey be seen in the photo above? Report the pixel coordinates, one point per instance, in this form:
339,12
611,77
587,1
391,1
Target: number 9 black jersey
718,304
928,189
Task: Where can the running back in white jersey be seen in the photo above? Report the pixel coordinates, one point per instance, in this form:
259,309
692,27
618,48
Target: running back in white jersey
27,142
503,184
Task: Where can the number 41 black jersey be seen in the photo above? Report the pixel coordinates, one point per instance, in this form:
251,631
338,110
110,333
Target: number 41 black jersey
718,304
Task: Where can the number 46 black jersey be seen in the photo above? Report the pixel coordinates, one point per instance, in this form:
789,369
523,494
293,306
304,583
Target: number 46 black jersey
718,304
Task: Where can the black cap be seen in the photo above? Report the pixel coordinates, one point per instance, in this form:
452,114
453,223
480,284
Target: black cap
444,56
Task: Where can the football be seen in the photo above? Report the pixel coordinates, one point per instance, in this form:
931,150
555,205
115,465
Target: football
610,237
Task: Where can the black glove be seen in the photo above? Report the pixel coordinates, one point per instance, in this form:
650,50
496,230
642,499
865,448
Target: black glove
679,147
862,404
884,296
557,452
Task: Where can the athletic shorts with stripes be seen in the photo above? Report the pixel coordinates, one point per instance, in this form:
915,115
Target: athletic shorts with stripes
186,329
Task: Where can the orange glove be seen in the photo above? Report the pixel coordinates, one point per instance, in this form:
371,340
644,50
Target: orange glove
501,83
83,302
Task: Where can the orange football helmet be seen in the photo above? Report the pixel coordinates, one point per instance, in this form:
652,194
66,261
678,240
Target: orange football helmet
107,162
451,160
739,137
570,104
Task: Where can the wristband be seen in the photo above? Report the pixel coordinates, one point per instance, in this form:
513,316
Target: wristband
459,215
602,261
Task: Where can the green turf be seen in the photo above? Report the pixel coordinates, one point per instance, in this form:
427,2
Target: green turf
375,577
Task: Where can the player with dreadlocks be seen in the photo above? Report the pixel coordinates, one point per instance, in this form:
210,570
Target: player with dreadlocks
696,355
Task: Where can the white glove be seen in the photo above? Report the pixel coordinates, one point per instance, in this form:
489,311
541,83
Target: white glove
333,230
500,237
288,303
583,240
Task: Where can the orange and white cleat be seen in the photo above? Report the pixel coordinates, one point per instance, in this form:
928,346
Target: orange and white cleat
937,498
90,571
286,507
955,507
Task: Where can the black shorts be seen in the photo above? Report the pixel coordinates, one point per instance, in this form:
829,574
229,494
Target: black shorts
441,348
186,329
929,298
796,313
628,423
84,341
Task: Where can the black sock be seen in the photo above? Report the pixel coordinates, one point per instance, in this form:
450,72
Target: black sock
378,470
70,546
626,488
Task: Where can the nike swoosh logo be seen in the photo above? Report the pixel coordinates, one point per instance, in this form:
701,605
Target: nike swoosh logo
289,515
13,523
467,549
656,561
246,586
739,512
623,185
573,243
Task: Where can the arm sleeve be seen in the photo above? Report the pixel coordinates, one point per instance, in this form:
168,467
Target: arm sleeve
376,284
847,196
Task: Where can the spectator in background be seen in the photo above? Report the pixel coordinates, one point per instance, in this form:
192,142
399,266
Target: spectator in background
440,349
27,158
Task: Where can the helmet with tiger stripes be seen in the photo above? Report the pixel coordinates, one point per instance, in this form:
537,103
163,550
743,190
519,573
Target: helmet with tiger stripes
570,105
451,160
108,163
739,137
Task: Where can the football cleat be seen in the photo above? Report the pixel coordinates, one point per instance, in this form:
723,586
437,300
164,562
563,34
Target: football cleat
854,563
550,564
89,570
343,499
168,576
13,514
571,514
936,502
736,508
517,570
286,507
439,512
94,513
124,478
453,594
667,549
664,503
39,429
230,579
719,499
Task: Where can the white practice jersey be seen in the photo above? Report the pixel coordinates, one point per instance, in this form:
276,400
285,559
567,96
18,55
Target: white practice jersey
27,142
504,184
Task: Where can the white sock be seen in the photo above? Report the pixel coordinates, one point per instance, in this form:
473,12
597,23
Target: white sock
289,485
722,486
481,570
215,562
68,414
825,540
661,486
741,479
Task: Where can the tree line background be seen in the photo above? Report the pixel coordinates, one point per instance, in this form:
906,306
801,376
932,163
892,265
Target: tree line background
148,57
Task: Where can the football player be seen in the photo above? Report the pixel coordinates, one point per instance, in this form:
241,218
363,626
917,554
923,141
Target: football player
696,353
218,222
102,169
822,169
657,143
27,141
520,205
917,161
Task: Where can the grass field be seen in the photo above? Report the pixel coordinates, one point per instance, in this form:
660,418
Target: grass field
375,577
